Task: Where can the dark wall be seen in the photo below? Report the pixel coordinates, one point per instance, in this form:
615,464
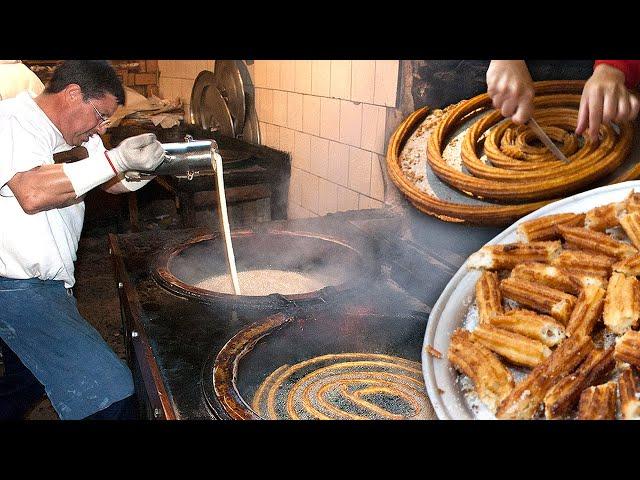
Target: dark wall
438,83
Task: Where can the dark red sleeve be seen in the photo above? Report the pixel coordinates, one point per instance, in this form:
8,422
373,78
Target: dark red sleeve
630,68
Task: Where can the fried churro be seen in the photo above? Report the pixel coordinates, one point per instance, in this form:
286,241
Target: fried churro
603,217
547,275
565,394
622,303
526,398
598,402
628,348
598,242
587,311
629,391
540,298
492,381
632,202
631,226
629,266
531,324
488,296
507,256
518,349
546,228
587,264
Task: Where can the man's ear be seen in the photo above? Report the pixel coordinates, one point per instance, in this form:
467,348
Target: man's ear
73,92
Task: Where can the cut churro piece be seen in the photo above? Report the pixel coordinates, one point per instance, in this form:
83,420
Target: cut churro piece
488,296
631,226
507,256
628,348
516,348
587,311
579,263
531,324
632,202
546,228
629,391
526,398
606,216
622,303
492,380
598,402
564,395
547,275
540,298
598,242
628,266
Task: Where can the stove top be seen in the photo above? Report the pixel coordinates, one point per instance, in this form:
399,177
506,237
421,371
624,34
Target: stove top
173,341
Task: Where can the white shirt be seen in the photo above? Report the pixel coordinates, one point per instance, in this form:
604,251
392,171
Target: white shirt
16,77
42,245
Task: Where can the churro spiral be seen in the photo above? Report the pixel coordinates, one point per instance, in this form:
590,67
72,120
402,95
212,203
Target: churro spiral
516,168
347,386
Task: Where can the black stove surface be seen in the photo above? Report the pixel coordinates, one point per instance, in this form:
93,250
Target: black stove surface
184,334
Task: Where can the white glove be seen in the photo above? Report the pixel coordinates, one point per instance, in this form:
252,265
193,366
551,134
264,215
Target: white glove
140,153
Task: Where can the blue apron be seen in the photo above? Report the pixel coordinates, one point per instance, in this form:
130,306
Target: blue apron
40,322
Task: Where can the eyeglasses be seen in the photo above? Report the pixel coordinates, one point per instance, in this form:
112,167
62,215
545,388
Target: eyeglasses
104,120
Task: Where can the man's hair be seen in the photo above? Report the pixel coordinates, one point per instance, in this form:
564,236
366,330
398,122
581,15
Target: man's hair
96,78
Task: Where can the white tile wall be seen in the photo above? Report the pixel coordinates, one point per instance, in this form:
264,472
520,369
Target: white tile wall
260,73
319,156
329,115
373,128
302,150
377,179
386,83
303,76
294,111
330,118
327,197
287,140
280,106
273,74
288,75
350,122
311,114
347,199
363,76
321,77
338,163
359,170
341,79
310,189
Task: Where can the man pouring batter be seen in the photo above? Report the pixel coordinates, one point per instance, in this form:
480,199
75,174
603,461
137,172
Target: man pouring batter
47,346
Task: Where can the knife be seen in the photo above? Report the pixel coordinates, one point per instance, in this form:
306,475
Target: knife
544,138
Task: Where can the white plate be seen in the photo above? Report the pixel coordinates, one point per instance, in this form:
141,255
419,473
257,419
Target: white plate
450,310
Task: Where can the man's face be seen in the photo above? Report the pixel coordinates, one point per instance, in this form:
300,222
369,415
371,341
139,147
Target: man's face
86,118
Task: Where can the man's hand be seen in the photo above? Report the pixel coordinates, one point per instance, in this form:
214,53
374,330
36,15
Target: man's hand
605,98
510,87
140,153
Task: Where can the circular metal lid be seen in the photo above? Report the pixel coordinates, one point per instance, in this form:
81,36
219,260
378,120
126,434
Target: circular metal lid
214,112
251,131
229,82
203,79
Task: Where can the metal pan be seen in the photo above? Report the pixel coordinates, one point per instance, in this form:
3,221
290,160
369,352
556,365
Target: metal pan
203,79
451,309
229,82
214,112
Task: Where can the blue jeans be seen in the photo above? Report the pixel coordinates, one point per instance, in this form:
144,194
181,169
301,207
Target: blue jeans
81,375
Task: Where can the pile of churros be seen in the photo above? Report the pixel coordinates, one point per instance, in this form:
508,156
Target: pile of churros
562,305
